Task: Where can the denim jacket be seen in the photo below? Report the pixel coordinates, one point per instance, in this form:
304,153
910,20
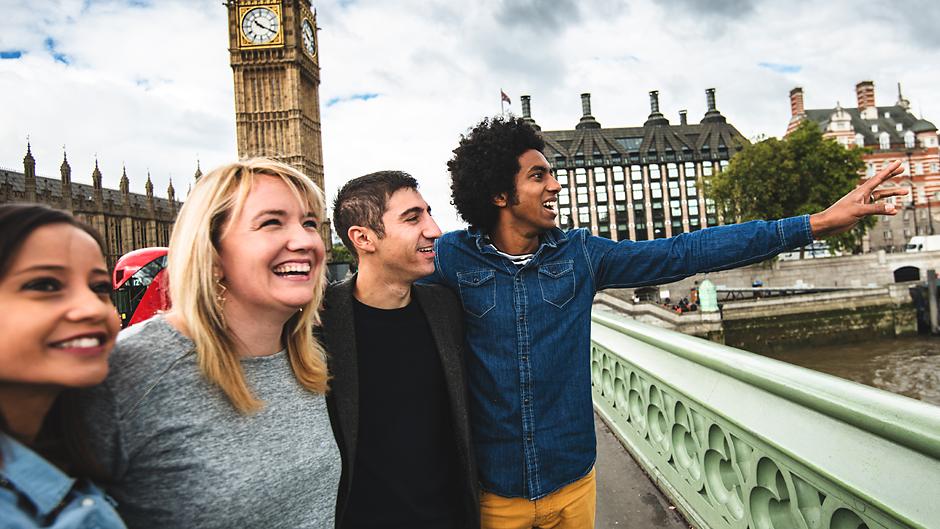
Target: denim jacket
34,493
529,331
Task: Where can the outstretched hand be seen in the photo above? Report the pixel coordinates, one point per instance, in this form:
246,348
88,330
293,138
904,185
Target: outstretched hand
858,204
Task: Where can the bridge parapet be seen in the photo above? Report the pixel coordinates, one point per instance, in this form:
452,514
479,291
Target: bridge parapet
742,441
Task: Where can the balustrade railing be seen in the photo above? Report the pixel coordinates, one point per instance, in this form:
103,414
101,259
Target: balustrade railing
738,440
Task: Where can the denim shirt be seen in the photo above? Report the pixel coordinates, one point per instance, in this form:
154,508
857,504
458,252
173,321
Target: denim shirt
34,493
529,334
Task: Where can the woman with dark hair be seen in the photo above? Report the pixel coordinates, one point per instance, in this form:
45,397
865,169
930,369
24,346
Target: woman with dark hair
57,329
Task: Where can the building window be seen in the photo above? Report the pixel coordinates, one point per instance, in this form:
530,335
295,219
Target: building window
562,176
654,172
600,175
899,127
887,115
620,192
600,194
672,170
707,169
656,189
564,199
584,216
888,235
638,192
675,209
690,170
884,141
602,215
691,189
582,196
580,176
674,189
618,174
935,167
870,169
636,173
723,164
908,139
874,128
860,139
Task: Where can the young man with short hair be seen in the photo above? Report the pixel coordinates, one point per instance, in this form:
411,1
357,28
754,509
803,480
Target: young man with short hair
398,392
527,289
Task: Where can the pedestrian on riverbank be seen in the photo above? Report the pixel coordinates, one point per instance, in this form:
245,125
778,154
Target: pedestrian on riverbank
527,288
58,328
214,414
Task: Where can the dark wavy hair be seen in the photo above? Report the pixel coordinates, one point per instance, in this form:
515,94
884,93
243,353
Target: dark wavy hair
62,439
485,164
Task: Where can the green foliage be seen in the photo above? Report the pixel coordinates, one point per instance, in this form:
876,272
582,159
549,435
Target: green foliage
341,254
802,173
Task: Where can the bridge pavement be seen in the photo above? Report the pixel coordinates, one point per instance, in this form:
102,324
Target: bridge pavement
626,498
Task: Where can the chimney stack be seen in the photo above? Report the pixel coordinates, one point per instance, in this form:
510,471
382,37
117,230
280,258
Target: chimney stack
796,102
865,93
654,102
585,104
710,99
683,117
526,109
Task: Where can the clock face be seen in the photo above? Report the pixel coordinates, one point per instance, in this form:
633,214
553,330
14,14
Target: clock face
306,30
260,25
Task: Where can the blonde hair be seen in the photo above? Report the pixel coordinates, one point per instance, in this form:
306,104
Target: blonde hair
193,259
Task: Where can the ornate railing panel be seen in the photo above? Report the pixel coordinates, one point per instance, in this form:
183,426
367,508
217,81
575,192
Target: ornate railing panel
742,441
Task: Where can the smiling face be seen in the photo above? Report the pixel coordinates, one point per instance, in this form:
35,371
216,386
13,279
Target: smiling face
58,323
535,208
271,252
406,252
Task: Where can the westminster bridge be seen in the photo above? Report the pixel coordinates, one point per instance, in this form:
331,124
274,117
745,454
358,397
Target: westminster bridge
731,439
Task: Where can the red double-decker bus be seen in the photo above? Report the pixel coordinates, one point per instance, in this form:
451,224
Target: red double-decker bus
140,285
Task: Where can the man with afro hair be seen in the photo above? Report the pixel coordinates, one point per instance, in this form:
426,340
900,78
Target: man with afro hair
527,288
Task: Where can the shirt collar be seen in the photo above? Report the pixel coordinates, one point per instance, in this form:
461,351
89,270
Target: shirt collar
552,238
41,482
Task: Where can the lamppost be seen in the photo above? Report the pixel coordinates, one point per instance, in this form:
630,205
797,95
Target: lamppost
910,179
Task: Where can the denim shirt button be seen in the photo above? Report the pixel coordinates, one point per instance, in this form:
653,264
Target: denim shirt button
88,502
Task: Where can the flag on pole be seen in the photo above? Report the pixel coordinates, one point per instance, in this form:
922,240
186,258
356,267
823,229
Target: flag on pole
504,96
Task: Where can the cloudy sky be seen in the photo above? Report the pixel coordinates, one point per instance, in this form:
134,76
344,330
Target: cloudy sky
146,83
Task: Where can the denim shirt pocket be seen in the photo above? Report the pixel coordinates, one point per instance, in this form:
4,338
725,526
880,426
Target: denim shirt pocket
557,282
477,291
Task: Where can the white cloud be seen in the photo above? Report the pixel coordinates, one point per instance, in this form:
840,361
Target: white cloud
149,84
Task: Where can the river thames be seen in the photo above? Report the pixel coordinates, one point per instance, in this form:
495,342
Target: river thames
907,366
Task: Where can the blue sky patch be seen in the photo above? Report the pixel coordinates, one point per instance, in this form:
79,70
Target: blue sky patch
51,48
354,97
781,68
11,54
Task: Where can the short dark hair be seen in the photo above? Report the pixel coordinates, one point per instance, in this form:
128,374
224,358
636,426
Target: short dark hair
362,202
485,164
62,438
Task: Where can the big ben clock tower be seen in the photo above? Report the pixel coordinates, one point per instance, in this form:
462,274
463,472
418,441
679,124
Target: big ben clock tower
275,62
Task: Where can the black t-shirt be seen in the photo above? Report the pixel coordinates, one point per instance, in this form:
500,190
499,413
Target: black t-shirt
406,470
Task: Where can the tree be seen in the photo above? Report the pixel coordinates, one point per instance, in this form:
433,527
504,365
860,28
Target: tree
341,254
802,173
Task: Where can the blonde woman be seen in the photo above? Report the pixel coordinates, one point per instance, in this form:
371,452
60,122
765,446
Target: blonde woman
214,413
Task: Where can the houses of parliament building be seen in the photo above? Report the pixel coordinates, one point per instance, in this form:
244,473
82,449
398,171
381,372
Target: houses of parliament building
275,64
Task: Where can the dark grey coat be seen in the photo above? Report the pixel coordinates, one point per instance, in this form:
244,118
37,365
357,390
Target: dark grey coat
445,316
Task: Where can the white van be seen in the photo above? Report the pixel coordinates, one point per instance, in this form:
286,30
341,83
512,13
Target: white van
923,243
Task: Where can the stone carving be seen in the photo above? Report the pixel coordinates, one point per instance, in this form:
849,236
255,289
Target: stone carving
729,479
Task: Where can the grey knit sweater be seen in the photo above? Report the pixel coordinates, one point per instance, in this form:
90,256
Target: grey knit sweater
179,455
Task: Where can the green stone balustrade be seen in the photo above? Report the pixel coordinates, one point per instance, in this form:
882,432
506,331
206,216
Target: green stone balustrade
737,440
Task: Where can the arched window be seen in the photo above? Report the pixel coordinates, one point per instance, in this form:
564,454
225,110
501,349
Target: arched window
909,139
884,141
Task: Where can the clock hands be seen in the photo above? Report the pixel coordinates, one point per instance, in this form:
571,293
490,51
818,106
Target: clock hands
262,26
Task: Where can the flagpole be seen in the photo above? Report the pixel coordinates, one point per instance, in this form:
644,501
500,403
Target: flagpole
502,103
